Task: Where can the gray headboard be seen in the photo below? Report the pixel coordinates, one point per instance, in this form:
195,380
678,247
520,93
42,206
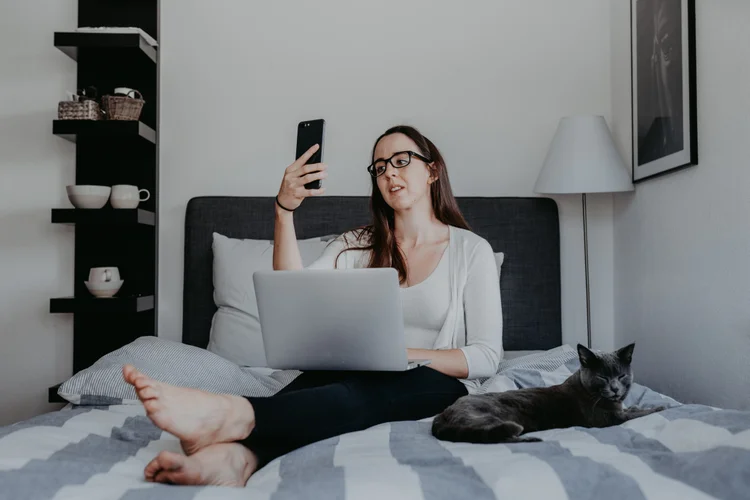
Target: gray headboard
526,229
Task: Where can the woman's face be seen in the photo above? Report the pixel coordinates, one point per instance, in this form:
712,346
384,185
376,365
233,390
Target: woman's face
402,188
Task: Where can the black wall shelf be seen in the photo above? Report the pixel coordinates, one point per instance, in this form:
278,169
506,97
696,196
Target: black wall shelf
108,153
66,305
103,216
53,397
70,43
71,129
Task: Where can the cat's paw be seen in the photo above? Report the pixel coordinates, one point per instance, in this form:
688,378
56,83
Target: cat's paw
652,409
641,409
529,440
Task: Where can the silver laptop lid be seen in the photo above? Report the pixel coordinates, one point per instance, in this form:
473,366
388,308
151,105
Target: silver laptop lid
344,319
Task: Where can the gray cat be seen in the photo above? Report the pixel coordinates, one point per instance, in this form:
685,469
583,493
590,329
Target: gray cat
591,397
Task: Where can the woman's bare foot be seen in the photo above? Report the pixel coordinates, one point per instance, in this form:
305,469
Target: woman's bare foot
196,417
225,464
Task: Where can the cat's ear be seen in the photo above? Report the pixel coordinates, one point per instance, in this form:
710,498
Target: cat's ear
586,357
625,354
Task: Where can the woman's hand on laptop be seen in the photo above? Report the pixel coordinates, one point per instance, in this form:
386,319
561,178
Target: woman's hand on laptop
451,362
293,191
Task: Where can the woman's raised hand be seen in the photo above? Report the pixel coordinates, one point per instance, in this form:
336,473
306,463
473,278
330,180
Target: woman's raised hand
293,192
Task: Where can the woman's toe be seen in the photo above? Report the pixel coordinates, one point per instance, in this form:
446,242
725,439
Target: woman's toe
128,373
151,406
165,461
171,461
141,382
147,393
152,469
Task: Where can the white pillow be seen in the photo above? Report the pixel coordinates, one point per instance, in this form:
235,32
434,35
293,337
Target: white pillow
172,362
235,329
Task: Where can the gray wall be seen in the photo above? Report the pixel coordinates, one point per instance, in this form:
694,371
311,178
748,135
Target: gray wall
682,242
36,257
487,80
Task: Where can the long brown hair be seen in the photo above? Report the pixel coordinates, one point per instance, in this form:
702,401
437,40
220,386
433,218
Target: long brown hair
379,235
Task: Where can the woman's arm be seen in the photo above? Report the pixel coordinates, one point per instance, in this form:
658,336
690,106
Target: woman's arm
292,193
483,313
451,362
286,256
484,324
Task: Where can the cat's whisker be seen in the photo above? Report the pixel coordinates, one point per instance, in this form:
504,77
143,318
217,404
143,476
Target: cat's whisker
596,402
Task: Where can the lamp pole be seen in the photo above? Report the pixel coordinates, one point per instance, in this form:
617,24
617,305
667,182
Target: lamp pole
586,265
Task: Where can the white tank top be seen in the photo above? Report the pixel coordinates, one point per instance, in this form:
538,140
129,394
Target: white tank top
425,306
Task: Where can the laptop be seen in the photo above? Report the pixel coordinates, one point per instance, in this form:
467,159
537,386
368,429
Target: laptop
341,319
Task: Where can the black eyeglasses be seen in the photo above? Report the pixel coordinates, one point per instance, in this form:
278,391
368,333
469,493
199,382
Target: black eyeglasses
398,160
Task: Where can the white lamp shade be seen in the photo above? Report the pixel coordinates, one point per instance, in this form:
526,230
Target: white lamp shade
583,159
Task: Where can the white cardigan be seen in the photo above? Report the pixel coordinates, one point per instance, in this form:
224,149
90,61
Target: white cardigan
474,323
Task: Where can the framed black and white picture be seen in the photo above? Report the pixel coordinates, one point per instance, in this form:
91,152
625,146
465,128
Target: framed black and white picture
665,135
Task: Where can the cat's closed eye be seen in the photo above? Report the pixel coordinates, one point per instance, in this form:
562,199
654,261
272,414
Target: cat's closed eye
623,376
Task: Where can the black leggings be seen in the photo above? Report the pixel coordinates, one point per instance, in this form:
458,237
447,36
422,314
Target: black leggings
319,405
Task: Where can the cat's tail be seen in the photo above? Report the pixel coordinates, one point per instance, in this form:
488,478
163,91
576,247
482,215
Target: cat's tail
485,429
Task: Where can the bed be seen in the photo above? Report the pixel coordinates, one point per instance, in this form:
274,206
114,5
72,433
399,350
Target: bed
96,447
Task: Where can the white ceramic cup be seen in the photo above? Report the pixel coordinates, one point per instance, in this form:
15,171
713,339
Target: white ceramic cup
127,196
104,274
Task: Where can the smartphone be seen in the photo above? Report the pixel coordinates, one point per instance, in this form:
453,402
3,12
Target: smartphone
308,133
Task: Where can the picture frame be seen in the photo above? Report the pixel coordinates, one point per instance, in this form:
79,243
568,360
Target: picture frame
663,84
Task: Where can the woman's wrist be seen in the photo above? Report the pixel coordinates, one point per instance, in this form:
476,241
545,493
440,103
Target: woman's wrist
286,208
412,354
283,214
451,362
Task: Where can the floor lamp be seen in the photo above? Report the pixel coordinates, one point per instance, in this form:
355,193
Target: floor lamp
583,159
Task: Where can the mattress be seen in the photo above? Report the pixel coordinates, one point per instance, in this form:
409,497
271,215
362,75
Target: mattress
686,451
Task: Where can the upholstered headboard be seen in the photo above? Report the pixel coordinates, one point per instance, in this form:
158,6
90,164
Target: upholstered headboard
525,229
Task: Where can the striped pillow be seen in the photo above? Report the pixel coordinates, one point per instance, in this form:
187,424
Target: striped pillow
172,362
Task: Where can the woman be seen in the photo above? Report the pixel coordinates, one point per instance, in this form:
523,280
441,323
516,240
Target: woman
452,316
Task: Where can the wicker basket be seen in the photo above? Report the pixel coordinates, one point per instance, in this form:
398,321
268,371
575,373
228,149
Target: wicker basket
120,107
79,110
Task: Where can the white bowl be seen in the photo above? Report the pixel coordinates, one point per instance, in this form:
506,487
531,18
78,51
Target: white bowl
104,288
86,196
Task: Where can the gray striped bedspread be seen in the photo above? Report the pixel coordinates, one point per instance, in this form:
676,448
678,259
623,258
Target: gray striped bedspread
684,452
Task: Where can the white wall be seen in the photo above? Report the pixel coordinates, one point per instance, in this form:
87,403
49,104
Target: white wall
682,242
36,257
486,80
